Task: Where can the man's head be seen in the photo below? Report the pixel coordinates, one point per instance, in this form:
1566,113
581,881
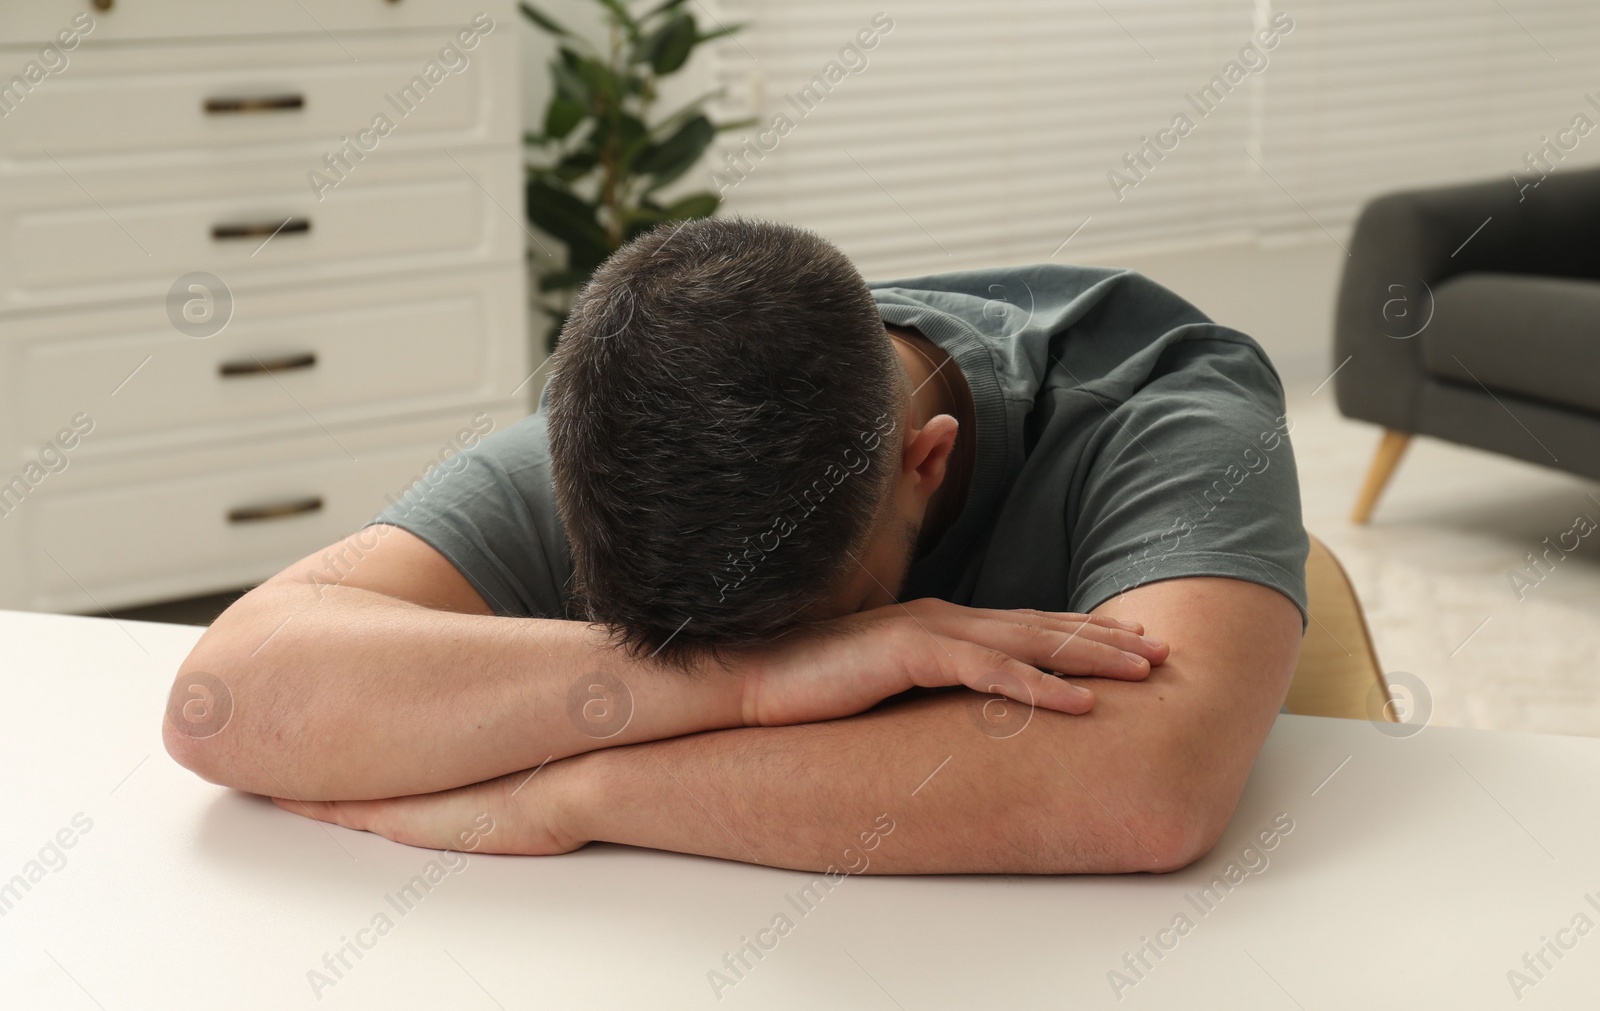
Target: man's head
728,422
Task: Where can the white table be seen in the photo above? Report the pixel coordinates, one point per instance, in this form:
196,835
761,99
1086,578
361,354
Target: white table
1420,873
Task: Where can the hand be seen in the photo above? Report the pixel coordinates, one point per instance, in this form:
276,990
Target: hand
511,814
845,666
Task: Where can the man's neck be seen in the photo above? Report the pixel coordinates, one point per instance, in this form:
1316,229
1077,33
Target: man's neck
940,388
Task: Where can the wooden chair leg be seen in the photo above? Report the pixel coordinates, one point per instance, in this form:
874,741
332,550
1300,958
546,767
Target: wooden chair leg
1384,462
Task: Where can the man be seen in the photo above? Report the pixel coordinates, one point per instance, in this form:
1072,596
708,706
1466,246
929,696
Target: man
783,559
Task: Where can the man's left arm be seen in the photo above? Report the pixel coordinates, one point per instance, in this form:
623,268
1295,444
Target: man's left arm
1147,781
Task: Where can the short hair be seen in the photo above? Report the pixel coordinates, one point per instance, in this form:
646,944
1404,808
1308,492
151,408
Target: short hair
724,414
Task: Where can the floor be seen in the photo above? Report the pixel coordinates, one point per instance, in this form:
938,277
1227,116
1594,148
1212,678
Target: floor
1432,571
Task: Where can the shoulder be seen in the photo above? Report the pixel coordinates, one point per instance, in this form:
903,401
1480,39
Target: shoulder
491,510
1119,309
1041,287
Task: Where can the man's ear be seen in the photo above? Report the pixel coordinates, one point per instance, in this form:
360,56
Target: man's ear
925,457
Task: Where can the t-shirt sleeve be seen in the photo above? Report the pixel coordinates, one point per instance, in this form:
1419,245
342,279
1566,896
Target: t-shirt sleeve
1193,475
491,511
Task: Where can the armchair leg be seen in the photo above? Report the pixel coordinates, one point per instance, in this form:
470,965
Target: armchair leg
1384,462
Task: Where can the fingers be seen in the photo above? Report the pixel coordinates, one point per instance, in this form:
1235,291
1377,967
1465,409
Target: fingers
1127,636
1062,644
321,810
392,819
1089,649
994,673
1060,617
1093,619
1100,629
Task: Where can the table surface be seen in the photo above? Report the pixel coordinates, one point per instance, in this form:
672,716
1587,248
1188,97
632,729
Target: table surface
1417,869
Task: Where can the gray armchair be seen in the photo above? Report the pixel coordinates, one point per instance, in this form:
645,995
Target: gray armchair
1472,314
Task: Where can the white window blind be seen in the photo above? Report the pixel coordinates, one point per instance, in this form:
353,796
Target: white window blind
982,134
1381,95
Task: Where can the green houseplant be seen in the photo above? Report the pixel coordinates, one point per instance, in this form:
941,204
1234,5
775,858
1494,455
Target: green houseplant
597,168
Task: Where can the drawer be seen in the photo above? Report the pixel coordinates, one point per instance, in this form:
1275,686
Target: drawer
286,360
131,234
37,21
138,541
173,102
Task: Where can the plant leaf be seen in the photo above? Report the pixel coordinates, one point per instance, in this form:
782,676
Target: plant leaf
661,8
622,16
695,205
674,156
647,216
558,321
559,280
577,164
632,138
599,78
643,214
637,229
720,32
569,83
543,20
569,218
561,116
688,109
668,47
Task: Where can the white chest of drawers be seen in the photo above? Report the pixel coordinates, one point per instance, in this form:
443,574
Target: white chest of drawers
261,263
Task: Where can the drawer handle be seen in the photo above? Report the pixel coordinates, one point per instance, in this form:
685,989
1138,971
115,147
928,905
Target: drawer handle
257,367
248,104
276,511
260,229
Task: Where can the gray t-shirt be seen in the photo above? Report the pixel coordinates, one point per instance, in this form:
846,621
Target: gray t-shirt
1122,438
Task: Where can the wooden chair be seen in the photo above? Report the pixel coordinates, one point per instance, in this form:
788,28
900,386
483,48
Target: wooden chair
1338,666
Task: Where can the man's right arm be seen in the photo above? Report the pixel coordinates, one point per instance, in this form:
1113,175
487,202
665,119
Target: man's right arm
398,679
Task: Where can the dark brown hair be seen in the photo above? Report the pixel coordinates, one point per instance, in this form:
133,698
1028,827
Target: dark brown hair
724,413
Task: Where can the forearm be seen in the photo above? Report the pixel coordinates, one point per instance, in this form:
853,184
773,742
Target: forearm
345,693
1146,781
799,796
961,801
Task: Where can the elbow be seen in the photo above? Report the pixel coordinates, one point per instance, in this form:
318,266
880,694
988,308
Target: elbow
226,719
1182,826
226,732
185,750
198,712
202,724
1157,833
1174,840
